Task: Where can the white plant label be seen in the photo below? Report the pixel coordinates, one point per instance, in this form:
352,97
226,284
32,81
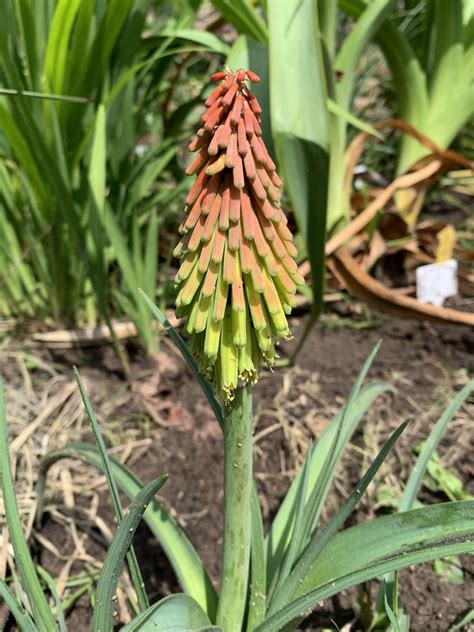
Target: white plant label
436,281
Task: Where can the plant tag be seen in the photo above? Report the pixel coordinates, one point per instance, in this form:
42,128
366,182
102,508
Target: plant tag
436,281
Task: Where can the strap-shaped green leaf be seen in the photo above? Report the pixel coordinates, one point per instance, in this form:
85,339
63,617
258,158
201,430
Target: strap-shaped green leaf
416,476
103,619
380,546
244,17
333,441
113,491
179,342
181,554
211,41
300,123
315,547
390,584
318,494
293,549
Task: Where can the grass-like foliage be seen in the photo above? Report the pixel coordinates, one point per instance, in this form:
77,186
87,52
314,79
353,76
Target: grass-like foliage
81,204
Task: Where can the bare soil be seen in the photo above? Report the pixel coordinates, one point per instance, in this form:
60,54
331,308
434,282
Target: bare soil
166,409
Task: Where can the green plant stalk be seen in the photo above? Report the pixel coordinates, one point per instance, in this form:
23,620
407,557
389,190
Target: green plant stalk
237,493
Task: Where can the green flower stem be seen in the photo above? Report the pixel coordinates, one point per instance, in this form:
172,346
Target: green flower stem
237,492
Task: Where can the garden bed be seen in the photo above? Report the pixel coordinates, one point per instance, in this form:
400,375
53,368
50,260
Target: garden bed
163,425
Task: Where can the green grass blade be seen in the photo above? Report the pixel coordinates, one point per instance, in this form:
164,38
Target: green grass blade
468,617
313,550
29,37
103,619
416,476
279,534
135,574
380,546
22,618
257,589
49,581
106,36
186,563
29,578
179,342
58,43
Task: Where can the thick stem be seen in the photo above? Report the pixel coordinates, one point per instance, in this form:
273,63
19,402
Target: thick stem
237,492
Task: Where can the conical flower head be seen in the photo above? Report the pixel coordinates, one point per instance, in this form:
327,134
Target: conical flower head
238,277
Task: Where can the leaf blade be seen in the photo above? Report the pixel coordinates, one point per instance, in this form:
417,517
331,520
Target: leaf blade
103,618
184,559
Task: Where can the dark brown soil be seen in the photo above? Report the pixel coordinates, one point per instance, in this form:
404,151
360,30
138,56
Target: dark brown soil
424,362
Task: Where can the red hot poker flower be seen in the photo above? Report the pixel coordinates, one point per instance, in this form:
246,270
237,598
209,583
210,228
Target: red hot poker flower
238,276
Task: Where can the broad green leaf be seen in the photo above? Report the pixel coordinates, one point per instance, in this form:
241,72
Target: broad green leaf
409,500
325,457
433,90
300,123
178,549
29,579
380,546
176,613
103,619
97,173
413,533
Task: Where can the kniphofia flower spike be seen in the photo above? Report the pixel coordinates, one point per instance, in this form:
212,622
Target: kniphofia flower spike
238,277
